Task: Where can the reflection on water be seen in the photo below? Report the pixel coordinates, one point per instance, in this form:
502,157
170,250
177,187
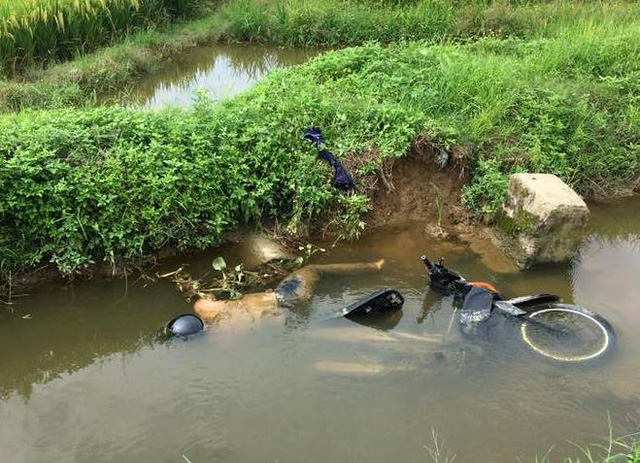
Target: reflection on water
220,70
58,331
83,379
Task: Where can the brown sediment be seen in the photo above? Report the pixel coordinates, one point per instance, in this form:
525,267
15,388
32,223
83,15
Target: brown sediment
15,284
483,241
415,188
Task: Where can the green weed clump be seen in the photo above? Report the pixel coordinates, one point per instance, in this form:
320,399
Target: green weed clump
354,22
110,184
105,184
41,31
625,449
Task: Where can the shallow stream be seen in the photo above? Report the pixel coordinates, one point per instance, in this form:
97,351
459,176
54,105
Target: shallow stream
84,379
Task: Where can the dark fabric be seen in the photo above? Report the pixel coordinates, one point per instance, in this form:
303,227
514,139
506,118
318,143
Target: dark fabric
314,135
341,178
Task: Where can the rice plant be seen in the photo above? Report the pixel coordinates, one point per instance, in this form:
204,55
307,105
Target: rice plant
40,31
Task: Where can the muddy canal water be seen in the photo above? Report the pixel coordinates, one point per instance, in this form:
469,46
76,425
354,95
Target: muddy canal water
83,378
220,70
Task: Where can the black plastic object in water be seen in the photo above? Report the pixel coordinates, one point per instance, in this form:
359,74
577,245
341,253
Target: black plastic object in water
443,279
184,325
561,332
341,178
380,303
524,302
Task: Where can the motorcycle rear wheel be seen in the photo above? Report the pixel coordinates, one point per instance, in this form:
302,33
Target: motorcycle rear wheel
567,333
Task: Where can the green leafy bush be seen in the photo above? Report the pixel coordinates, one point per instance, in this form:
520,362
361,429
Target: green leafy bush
113,183
105,184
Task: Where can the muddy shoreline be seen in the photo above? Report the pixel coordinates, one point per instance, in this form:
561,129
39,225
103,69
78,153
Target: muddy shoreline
411,189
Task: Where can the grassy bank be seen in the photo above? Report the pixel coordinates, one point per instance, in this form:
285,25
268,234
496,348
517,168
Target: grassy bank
315,22
104,184
41,31
354,22
109,70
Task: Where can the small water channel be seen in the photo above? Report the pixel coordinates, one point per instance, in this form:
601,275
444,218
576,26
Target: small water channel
220,70
83,377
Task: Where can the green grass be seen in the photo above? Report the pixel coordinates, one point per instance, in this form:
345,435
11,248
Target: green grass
112,183
312,22
615,450
354,22
42,31
109,70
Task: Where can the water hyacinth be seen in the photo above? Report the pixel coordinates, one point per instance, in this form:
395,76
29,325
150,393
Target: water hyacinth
34,31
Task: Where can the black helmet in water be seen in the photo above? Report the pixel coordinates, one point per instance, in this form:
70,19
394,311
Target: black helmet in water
184,325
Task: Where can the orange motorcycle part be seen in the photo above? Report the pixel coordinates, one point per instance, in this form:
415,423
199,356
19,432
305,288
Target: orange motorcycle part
483,285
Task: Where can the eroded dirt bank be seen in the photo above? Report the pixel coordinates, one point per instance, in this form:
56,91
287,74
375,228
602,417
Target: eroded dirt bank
414,188
420,188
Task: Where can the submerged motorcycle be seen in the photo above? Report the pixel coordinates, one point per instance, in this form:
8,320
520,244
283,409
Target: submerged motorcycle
561,332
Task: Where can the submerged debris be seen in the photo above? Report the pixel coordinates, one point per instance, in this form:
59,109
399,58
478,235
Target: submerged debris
270,261
360,368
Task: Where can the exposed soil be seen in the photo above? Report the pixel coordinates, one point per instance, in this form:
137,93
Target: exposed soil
414,187
15,285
